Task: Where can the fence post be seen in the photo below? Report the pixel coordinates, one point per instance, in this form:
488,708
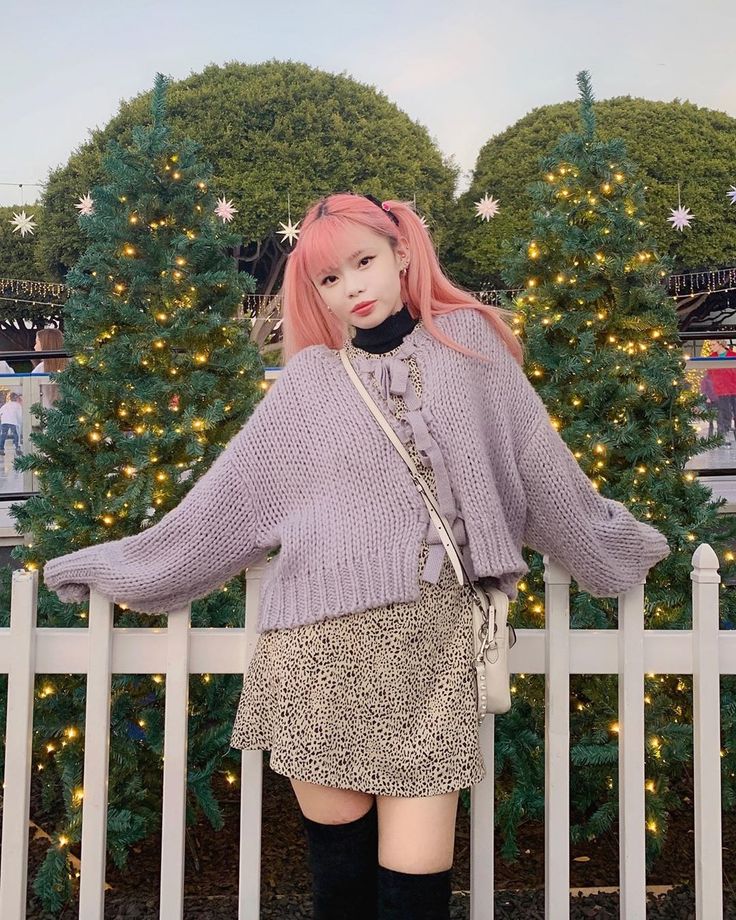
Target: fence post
557,741
96,757
176,721
18,745
707,734
251,773
482,829
631,797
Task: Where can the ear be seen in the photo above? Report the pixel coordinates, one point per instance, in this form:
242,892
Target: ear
402,249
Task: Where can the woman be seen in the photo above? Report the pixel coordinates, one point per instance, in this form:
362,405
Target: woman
361,683
49,340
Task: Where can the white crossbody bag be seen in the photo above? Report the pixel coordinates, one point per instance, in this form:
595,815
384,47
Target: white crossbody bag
493,635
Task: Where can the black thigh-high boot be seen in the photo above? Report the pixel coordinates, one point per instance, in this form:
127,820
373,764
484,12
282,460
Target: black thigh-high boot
405,896
344,863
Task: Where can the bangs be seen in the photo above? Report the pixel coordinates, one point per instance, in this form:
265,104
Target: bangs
324,246
326,243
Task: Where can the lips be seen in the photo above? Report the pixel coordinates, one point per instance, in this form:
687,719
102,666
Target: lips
362,306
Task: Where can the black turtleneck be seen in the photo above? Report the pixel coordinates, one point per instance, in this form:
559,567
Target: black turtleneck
386,335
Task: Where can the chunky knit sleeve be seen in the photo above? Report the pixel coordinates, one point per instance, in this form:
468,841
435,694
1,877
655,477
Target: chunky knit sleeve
225,522
603,546
207,539
596,539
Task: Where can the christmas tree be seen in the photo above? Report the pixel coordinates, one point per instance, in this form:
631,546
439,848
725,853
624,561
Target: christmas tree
604,355
162,377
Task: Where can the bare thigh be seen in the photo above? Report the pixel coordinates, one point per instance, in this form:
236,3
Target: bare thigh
417,835
328,805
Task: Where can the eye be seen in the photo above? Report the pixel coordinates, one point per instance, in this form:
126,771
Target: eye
326,279
365,259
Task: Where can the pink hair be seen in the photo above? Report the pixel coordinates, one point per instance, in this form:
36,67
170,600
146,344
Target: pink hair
425,288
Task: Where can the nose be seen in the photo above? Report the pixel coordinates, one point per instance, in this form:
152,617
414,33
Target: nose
354,285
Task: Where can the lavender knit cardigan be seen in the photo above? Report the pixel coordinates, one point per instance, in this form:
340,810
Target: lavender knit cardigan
312,473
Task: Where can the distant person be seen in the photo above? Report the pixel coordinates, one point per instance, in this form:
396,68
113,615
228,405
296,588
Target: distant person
11,417
708,390
724,386
49,340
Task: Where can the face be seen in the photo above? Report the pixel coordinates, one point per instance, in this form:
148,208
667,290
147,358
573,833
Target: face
367,273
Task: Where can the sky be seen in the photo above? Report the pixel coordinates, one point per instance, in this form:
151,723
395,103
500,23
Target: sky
465,69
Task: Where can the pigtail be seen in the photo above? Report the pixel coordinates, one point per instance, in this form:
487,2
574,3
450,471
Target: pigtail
428,292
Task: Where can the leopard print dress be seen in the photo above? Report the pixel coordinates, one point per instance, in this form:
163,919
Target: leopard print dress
383,700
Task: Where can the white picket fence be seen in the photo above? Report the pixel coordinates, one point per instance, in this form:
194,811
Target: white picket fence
556,651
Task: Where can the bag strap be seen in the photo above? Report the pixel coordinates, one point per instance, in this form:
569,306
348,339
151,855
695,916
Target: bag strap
439,520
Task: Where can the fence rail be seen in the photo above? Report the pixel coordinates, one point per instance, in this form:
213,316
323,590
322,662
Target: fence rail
555,651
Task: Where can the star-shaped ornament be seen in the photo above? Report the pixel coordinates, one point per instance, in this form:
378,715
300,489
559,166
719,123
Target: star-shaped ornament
289,232
23,222
680,218
225,210
487,207
732,194
86,205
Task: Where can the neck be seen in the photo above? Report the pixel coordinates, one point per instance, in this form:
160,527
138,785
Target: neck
386,335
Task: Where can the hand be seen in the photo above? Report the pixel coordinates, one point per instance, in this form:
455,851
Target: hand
72,593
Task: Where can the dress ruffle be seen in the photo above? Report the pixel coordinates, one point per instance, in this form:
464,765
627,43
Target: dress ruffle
390,376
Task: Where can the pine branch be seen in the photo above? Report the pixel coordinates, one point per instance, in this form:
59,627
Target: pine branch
586,103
